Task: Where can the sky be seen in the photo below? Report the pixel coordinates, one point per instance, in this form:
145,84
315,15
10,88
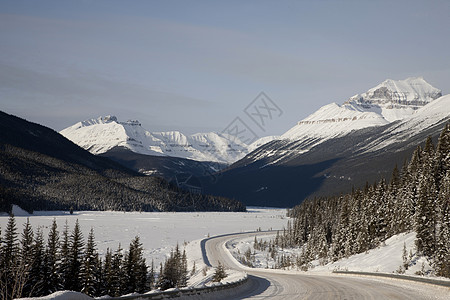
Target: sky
195,66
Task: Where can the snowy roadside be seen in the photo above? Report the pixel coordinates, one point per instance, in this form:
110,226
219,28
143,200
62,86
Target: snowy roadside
203,274
386,259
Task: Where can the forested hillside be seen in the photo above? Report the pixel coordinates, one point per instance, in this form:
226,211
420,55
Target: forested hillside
417,198
42,170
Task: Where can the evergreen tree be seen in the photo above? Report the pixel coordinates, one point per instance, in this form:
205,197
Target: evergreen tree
108,274
118,282
151,276
182,282
12,275
10,247
89,269
26,255
219,273
442,255
37,272
64,267
53,283
136,269
76,244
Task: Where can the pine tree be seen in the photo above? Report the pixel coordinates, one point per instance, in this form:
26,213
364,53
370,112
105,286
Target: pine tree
26,242
151,275
219,273
89,268
12,275
53,282
442,254
37,272
64,267
108,274
76,244
26,254
136,269
10,247
182,282
118,283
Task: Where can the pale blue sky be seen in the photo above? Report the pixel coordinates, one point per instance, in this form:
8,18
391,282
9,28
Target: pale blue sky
194,66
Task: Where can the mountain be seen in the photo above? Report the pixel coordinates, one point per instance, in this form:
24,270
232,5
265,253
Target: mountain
167,154
105,133
387,102
42,170
338,147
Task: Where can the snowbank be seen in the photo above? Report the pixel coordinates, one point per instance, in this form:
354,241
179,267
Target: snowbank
61,295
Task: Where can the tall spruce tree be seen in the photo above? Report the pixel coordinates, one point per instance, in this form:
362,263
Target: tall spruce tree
64,267
89,269
10,272
136,269
26,253
38,267
108,274
76,245
53,282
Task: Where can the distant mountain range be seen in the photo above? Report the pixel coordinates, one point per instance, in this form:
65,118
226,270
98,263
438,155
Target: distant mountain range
105,133
42,170
336,147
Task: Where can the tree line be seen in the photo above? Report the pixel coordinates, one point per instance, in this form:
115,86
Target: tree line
33,267
415,199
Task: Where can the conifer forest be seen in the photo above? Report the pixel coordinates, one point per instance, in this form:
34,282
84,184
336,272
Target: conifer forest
417,198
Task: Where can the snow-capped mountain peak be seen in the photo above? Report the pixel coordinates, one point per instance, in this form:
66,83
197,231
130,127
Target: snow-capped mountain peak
396,99
101,134
389,101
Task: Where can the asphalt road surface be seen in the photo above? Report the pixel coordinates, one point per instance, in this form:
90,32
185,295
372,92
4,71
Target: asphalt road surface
275,284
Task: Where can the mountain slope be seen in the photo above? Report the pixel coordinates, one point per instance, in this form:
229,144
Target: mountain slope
40,169
284,172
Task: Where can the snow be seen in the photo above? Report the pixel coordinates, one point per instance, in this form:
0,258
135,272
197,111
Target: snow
62,295
390,101
104,133
159,231
387,102
262,141
387,258
425,117
331,121
413,102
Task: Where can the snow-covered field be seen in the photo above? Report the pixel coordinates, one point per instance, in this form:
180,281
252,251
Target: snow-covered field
159,231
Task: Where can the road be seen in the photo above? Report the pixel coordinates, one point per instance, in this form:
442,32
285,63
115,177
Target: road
275,284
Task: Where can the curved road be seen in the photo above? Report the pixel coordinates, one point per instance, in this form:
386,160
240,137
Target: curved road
274,284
